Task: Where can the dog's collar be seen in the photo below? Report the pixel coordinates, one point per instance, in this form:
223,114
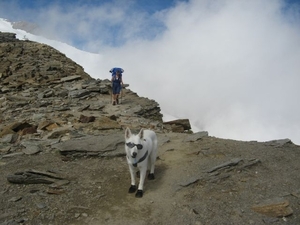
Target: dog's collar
141,159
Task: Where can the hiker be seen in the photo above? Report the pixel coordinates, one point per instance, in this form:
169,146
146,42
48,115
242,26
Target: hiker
117,83
113,72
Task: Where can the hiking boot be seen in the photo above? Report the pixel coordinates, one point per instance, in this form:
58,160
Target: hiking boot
114,103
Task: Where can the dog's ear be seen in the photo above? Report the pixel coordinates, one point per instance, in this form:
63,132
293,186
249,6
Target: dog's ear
127,133
141,134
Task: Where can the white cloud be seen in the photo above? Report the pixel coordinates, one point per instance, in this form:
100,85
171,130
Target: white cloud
231,67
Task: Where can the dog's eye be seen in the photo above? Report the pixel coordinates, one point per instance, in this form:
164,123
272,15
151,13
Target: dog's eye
139,146
130,145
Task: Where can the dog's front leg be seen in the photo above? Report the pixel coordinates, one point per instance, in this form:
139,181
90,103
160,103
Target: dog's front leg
143,170
152,159
132,188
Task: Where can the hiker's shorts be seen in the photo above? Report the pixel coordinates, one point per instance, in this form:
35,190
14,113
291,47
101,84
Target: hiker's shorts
116,89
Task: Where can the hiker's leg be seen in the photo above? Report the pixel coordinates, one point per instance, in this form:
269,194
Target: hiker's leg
117,98
117,93
114,94
114,99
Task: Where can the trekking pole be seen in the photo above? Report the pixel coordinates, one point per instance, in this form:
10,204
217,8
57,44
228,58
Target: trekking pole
121,95
111,96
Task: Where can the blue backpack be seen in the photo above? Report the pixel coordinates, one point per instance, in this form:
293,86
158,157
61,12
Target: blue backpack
114,70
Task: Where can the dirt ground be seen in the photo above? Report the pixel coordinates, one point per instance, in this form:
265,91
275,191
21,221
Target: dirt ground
185,190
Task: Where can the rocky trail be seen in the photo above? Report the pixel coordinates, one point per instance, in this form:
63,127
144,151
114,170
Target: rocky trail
208,181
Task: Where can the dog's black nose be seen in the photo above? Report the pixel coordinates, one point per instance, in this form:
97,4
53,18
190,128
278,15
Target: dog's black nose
134,154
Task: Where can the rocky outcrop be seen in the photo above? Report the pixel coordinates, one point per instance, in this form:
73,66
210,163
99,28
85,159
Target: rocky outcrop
179,126
7,37
46,95
30,64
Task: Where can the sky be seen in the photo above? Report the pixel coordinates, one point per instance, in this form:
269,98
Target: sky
232,67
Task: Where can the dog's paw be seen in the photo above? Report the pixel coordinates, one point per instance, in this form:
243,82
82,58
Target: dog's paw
151,176
132,189
139,194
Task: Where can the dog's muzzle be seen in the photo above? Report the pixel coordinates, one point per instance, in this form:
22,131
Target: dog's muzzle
134,154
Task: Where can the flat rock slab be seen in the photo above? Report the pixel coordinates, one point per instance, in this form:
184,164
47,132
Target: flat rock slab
185,123
196,136
34,177
277,207
106,145
32,147
232,162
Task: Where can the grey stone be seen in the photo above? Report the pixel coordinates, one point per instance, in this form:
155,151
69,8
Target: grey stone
9,138
196,136
79,93
104,145
70,78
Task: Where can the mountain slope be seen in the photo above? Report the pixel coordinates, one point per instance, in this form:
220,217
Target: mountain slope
62,155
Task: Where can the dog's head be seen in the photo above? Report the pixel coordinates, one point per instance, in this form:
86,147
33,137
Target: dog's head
133,143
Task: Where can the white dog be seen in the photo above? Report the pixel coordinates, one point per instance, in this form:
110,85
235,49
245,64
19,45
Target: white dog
141,150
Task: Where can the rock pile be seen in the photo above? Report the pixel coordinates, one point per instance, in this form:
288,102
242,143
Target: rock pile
47,96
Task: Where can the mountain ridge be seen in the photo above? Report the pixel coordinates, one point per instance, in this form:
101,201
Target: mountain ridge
62,155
